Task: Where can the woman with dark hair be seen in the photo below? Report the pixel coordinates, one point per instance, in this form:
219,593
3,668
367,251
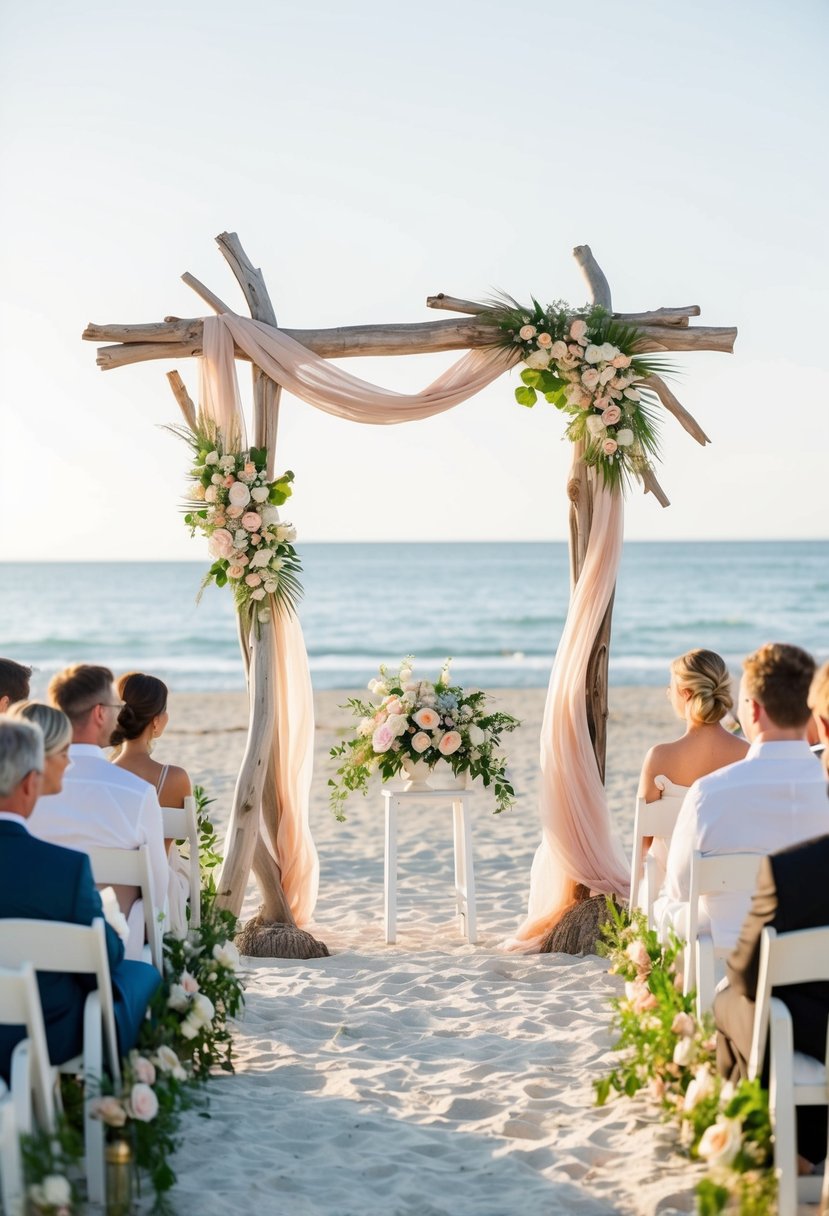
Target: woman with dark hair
141,721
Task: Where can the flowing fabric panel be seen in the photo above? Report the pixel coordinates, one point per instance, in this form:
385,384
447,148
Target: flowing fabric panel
577,843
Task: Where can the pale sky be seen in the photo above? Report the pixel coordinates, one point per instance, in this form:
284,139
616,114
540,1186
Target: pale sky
371,154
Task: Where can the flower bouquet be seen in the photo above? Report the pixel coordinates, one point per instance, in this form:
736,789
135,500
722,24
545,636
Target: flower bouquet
438,726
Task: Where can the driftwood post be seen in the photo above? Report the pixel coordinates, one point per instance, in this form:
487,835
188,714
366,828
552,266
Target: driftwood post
662,329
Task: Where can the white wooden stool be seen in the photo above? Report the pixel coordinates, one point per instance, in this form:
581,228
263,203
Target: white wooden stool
464,866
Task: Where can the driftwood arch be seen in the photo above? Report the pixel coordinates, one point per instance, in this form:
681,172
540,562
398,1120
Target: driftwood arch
662,329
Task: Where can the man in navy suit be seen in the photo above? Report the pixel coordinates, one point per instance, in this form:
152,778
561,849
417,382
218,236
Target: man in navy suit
41,881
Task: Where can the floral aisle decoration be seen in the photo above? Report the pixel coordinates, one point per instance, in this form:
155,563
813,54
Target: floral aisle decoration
584,363
232,503
668,1053
412,721
50,1164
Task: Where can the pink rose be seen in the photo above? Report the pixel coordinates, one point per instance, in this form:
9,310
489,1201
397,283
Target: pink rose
255,538
144,1070
219,519
250,468
545,340
211,494
621,361
427,718
143,1103
526,332
638,954
394,706
611,415
590,378
251,521
578,331
234,512
382,738
421,741
190,985
683,1024
228,481
559,350
220,543
609,447
253,580
110,1111
450,743
235,571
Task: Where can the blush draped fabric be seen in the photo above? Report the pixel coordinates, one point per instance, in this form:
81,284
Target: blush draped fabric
577,845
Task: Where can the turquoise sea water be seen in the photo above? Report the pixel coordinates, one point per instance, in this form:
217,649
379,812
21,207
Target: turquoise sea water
497,608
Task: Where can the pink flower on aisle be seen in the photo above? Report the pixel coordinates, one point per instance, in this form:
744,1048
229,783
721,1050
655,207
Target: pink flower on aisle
427,718
450,743
609,446
683,1024
253,580
637,952
144,1069
721,1142
382,738
421,741
143,1103
611,415
251,521
110,1111
220,543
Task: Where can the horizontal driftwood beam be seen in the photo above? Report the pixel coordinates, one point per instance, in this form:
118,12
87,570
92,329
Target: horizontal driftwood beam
657,316
692,337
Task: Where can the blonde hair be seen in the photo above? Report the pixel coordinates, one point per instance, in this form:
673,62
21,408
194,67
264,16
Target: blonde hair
54,724
819,692
704,674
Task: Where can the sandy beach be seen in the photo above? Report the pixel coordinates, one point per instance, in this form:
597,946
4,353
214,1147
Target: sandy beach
429,1077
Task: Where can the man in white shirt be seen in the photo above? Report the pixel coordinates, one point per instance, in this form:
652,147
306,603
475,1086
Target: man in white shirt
774,798
101,805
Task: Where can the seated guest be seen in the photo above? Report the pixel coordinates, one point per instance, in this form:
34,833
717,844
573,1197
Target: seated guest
41,881
773,798
700,694
819,705
57,737
14,683
792,893
142,721
101,805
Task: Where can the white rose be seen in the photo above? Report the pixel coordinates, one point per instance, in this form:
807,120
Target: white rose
240,539
270,516
633,394
228,463
286,532
538,360
167,1060
258,594
606,375
189,1028
203,1010
365,728
397,724
624,438
211,494
239,494
684,1052
608,351
476,736
593,354
178,998
590,378
558,350
56,1190
259,493
700,1088
595,425
261,558
270,586
721,1142
226,955
211,458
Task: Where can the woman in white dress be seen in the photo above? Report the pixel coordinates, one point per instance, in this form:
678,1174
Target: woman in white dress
700,694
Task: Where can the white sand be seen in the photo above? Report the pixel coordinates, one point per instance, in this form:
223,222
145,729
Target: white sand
431,1077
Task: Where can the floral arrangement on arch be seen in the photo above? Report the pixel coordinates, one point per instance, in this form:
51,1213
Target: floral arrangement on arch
583,363
416,721
232,503
668,1053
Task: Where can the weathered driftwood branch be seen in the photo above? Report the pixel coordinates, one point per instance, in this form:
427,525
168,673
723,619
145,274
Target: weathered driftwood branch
185,401
249,278
652,486
209,297
694,337
678,410
594,275
657,316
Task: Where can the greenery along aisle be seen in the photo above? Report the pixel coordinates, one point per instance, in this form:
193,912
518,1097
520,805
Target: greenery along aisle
667,1052
183,1040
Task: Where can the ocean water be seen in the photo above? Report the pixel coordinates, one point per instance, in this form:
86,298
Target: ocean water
498,609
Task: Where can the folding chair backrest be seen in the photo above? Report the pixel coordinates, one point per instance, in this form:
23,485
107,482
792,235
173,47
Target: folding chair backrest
656,819
180,823
800,957
719,874
131,868
20,1005
77,949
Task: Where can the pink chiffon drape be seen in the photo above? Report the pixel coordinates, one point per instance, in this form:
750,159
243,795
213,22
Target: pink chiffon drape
577,845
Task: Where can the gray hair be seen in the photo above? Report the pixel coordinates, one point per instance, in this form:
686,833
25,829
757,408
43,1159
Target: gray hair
21,752
56,727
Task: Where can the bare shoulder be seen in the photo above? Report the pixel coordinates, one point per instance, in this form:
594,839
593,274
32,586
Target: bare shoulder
177,786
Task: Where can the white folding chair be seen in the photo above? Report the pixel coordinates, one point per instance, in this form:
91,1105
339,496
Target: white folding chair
78,949
180,824
33,1082
656,819
714,874
12,1196
795,1079
131,868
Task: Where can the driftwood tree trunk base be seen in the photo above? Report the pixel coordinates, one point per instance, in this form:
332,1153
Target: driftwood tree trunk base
261,938
578,931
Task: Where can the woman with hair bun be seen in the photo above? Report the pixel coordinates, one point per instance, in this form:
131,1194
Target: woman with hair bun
700,694
142,720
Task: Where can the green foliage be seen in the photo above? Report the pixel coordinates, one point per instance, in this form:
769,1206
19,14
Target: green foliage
53,1156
